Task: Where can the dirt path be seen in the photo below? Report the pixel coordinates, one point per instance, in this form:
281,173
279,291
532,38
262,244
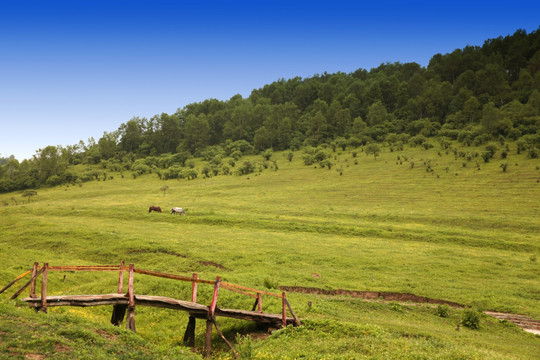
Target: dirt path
524,322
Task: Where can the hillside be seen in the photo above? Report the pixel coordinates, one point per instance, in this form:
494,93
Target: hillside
473,95
438,222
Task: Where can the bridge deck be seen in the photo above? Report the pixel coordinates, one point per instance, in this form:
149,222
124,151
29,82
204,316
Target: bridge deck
194,309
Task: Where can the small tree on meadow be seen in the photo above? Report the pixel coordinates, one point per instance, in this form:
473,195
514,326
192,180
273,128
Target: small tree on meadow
164,189
267,154
373,149
290,156
29,194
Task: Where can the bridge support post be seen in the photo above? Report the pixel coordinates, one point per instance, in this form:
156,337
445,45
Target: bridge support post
44,287
208,338
210,320
189,335
130,323
119,311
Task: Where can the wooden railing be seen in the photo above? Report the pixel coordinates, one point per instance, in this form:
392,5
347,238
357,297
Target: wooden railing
119,310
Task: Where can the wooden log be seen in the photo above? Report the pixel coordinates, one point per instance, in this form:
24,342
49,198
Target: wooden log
44,287
189,335
130,323
213,304
118,314
194,288
26,285
85,268
33,284
208,338
296,320
240,292
224,339
255,304
131,295
15,280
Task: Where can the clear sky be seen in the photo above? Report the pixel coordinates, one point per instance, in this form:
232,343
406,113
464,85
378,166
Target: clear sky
70,70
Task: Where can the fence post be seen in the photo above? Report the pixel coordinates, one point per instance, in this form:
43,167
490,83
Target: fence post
44,287
121,278
194,288
284,310
210,319
33,284
259,302
131,301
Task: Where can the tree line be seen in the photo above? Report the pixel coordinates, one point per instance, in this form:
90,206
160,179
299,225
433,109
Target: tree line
472,95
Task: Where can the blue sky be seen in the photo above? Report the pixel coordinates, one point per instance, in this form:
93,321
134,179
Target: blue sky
70,70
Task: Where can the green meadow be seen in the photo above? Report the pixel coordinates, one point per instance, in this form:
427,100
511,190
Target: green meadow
426,222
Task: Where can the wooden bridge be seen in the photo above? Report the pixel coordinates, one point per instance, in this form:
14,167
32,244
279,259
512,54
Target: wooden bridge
127,302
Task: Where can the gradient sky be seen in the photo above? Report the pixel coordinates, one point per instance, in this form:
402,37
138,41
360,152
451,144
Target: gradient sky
70,70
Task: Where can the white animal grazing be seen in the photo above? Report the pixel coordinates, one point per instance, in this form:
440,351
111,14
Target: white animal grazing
178,210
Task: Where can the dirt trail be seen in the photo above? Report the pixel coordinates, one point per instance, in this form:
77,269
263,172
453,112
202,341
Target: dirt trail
524,322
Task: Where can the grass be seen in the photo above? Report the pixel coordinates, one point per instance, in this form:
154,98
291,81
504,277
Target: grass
435,229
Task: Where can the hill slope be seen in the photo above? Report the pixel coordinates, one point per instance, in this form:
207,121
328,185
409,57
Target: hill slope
416,221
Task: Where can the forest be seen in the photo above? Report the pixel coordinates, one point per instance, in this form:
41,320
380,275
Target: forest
473,96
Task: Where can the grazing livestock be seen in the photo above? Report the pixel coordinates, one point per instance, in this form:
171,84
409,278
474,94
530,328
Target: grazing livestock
178,210
154,208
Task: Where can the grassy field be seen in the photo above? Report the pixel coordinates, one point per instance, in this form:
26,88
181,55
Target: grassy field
427,222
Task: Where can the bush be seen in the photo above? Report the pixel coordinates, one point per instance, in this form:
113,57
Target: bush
308,159
267,154
443,311
471,319
247,168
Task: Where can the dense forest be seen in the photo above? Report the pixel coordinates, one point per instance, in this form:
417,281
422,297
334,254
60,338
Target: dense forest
473,96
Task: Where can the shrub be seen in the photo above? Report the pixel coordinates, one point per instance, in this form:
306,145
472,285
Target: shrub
308,159
247,168
267,154
443,311
290,156
471,319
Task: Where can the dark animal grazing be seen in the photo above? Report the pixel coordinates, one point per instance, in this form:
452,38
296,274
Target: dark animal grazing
154,208
178,210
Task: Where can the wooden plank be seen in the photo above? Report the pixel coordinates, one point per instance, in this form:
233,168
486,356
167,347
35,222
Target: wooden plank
196,310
